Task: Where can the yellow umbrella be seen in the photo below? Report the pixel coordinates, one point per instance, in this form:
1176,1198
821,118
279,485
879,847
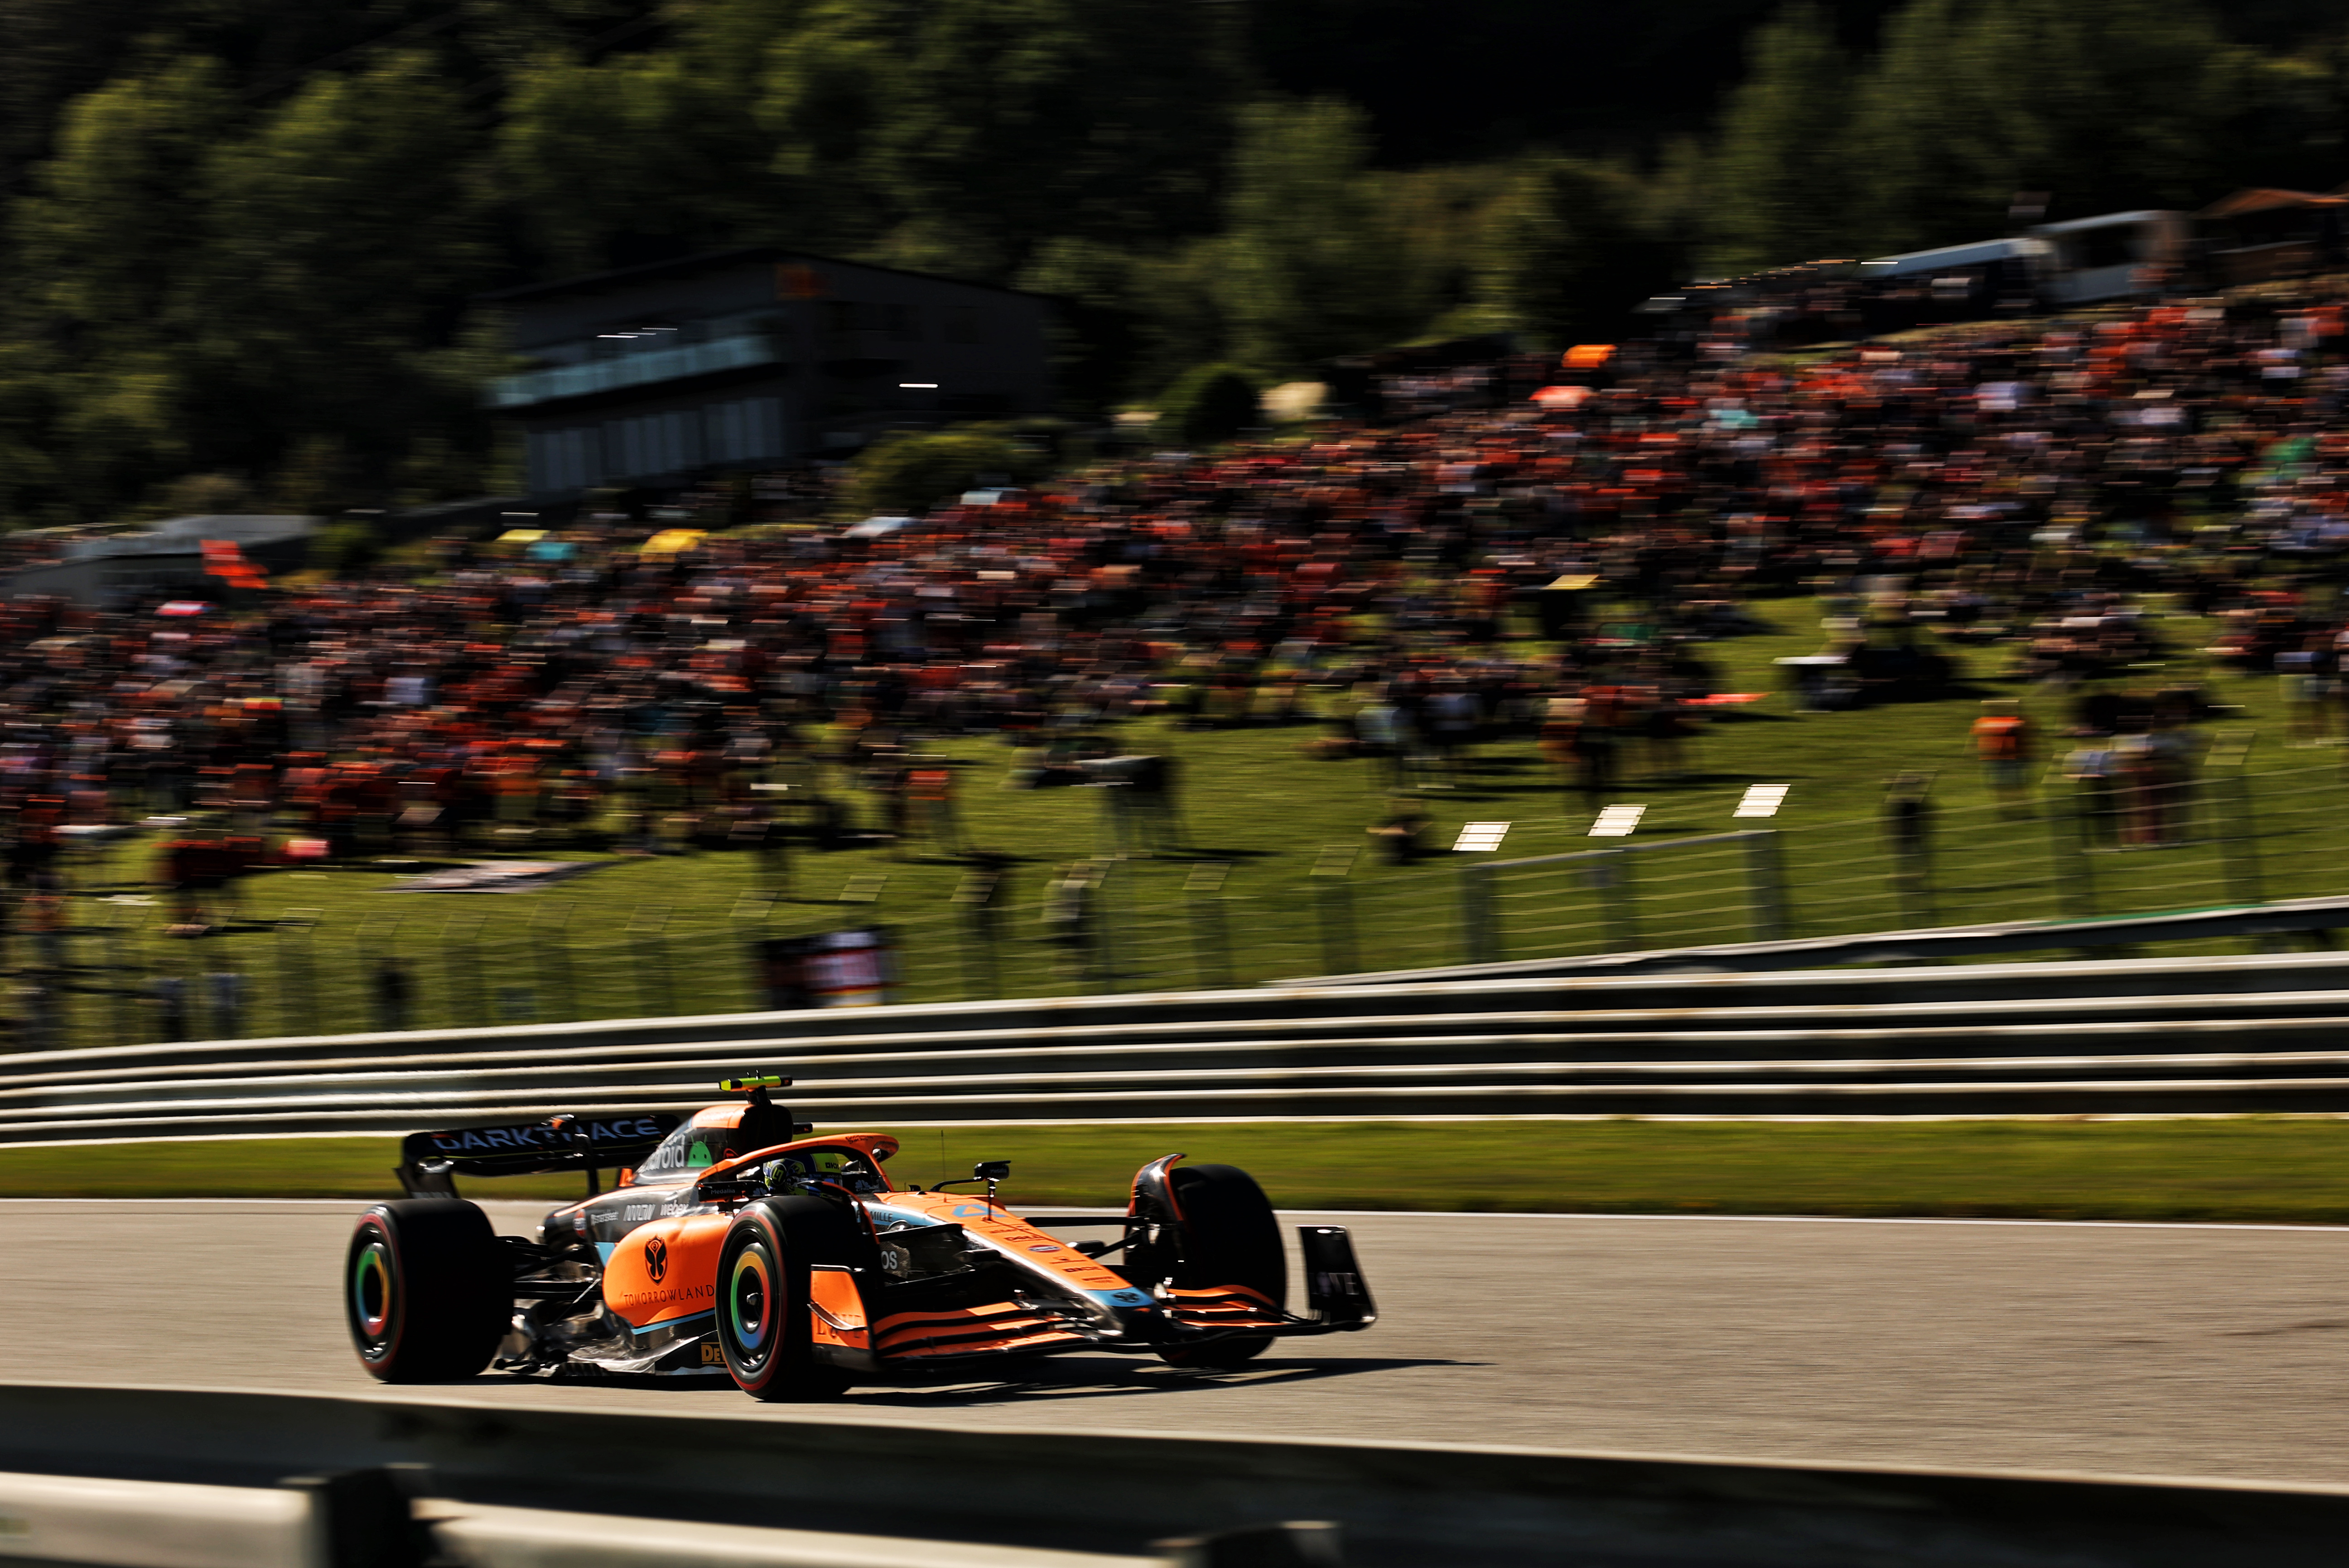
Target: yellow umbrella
670,540
522,535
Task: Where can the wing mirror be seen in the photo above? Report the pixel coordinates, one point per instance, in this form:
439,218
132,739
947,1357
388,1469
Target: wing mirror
991,1171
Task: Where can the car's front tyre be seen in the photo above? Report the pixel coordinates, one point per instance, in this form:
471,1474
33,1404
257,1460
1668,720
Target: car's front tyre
763,1317
427,1291
1226,1235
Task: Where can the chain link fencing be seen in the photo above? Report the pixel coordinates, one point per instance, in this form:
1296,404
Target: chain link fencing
95,970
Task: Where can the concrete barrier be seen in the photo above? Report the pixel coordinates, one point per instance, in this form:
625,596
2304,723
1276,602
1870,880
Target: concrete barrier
125,1523
1113,1493
482,1536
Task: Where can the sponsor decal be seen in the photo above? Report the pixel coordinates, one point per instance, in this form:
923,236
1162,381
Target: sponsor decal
713,1357
657,1259
533,1136
1044,1247
664,1298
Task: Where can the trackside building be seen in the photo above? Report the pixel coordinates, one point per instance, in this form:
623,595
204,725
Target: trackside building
735,358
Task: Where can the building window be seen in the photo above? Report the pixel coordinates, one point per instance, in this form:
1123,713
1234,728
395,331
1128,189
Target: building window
750,429
565,460
904,322
965,324
656,443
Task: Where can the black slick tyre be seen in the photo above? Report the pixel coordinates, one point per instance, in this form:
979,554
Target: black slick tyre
762,1309
1226,1235
427,1291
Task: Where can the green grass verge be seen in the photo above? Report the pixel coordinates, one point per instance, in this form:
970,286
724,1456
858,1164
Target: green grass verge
2245,1169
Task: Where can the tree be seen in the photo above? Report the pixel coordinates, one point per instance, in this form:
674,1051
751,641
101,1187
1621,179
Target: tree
643,155
1563,257
1774,190
1097,331
102,243
1308,267
339,234
1213,403
102,249
2108,106
962,135
52,51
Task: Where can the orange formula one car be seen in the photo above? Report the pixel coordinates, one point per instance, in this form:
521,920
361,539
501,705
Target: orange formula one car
798,1267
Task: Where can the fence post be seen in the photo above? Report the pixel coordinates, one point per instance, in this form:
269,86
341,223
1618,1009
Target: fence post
981,980
978,895
1211,946
649,951
1110,837
296,988
460,969
117,966
1480,936
553,945
1913,880
1765,885
1106,945
1613,871
1336,907
170,992
2239,840
2075,884
394,994
1909,838
224,1001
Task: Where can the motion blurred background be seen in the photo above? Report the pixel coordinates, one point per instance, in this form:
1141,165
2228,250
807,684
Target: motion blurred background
246,238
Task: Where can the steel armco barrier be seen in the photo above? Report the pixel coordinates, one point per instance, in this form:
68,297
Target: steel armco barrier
2311,919
2157,1036
504,1485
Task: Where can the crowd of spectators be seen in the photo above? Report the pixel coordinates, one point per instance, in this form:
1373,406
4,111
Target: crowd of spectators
1506,549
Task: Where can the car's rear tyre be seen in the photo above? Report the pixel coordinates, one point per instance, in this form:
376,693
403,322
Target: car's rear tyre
427,1291
1228,1235
763,1317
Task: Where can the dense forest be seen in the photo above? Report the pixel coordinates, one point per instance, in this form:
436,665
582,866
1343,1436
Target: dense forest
246,237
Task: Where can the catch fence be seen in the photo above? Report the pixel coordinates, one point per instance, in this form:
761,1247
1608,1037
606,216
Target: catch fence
100,969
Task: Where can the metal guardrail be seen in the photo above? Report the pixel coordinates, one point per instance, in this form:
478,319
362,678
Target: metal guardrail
2163,1036
501,1485
2321,917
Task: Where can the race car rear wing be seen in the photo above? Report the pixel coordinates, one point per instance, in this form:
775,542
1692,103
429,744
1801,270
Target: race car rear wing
429,1162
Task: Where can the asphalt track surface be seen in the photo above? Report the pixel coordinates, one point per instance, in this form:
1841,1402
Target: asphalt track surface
2217,1350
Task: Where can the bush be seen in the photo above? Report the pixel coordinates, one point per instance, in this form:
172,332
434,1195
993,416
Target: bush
1213,403
345,546
905,474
